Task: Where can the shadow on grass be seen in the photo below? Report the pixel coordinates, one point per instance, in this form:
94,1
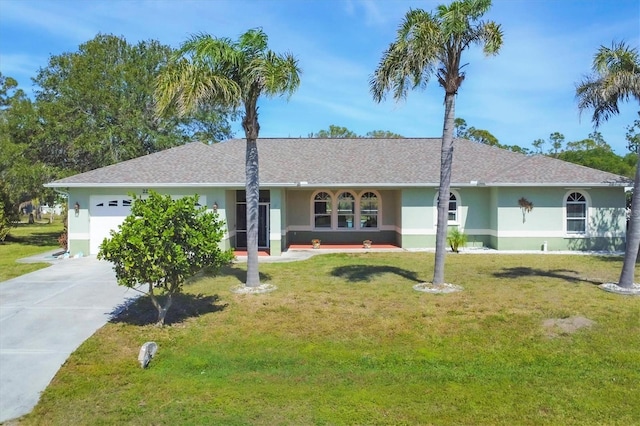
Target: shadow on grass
241,274
561,274
360,273
140,311
35,238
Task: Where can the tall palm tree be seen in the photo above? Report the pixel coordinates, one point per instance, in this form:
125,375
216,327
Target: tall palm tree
430,44
615,78
218,71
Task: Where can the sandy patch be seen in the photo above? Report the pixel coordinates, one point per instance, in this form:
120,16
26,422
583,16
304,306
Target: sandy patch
557,326
262,288
615,288
437,289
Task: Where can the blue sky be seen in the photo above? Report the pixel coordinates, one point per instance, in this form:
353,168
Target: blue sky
524,93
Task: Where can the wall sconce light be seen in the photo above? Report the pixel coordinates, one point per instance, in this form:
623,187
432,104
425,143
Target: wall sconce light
215,207
76,208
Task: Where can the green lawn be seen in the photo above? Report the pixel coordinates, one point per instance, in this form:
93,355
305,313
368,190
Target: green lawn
27,240
346,340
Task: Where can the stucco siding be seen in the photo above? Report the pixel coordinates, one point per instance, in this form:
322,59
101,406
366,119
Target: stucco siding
417,217
79,226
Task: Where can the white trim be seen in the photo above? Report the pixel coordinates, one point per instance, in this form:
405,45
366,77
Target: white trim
587,219
528,234
308,228
418,231
79,235
275,236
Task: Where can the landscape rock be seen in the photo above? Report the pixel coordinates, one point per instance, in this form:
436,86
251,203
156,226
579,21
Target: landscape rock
147,351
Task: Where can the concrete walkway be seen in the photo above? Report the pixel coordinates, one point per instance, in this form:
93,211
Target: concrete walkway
44,317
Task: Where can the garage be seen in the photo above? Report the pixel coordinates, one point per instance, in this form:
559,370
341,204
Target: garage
106,213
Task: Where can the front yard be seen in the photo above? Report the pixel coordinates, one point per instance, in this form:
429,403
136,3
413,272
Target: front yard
26,240
346,340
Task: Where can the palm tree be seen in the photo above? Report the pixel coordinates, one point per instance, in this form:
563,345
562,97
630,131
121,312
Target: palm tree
615,78
218,71
432,44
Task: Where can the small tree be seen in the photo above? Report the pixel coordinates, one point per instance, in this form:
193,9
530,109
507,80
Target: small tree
162,243
5,223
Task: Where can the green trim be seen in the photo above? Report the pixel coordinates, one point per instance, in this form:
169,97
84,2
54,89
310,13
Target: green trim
78,246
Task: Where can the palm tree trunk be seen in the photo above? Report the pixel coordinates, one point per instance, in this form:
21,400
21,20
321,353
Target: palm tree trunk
252,188
253,198
446,162
633,236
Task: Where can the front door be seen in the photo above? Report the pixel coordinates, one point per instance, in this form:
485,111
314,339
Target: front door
263,225
241,225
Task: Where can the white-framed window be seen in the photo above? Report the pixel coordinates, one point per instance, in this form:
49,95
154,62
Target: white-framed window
369,210
453,208
322,208
576,209
345,210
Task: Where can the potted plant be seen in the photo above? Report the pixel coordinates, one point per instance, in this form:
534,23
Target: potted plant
315,243
366,244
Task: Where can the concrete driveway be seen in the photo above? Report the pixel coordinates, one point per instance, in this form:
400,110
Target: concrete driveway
44,317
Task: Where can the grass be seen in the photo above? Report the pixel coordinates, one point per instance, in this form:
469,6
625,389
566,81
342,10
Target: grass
346,340
27,240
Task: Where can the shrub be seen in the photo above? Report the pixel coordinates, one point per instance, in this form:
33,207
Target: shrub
456,239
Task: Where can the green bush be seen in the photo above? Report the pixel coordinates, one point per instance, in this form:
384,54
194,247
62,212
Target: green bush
456,239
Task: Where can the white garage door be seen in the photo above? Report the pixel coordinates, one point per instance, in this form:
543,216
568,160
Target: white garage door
106,213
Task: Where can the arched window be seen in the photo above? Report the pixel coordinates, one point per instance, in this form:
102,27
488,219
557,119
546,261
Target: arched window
453,208
369,210
576,209
322,210
346,210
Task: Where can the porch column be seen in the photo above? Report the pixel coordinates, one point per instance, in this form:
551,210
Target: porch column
275,222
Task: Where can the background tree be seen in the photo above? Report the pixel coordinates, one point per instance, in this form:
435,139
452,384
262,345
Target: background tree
334,132
616,77
162,243
538,144
633,136
459,128
342,132
96,106
433,43
21,172
382,134
556,140
209,71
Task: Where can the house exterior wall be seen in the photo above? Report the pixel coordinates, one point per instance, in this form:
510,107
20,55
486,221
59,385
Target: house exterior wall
476,216
299,227
79,226
606,220
417,217
490,217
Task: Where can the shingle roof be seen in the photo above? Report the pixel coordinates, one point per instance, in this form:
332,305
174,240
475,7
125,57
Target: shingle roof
341,162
